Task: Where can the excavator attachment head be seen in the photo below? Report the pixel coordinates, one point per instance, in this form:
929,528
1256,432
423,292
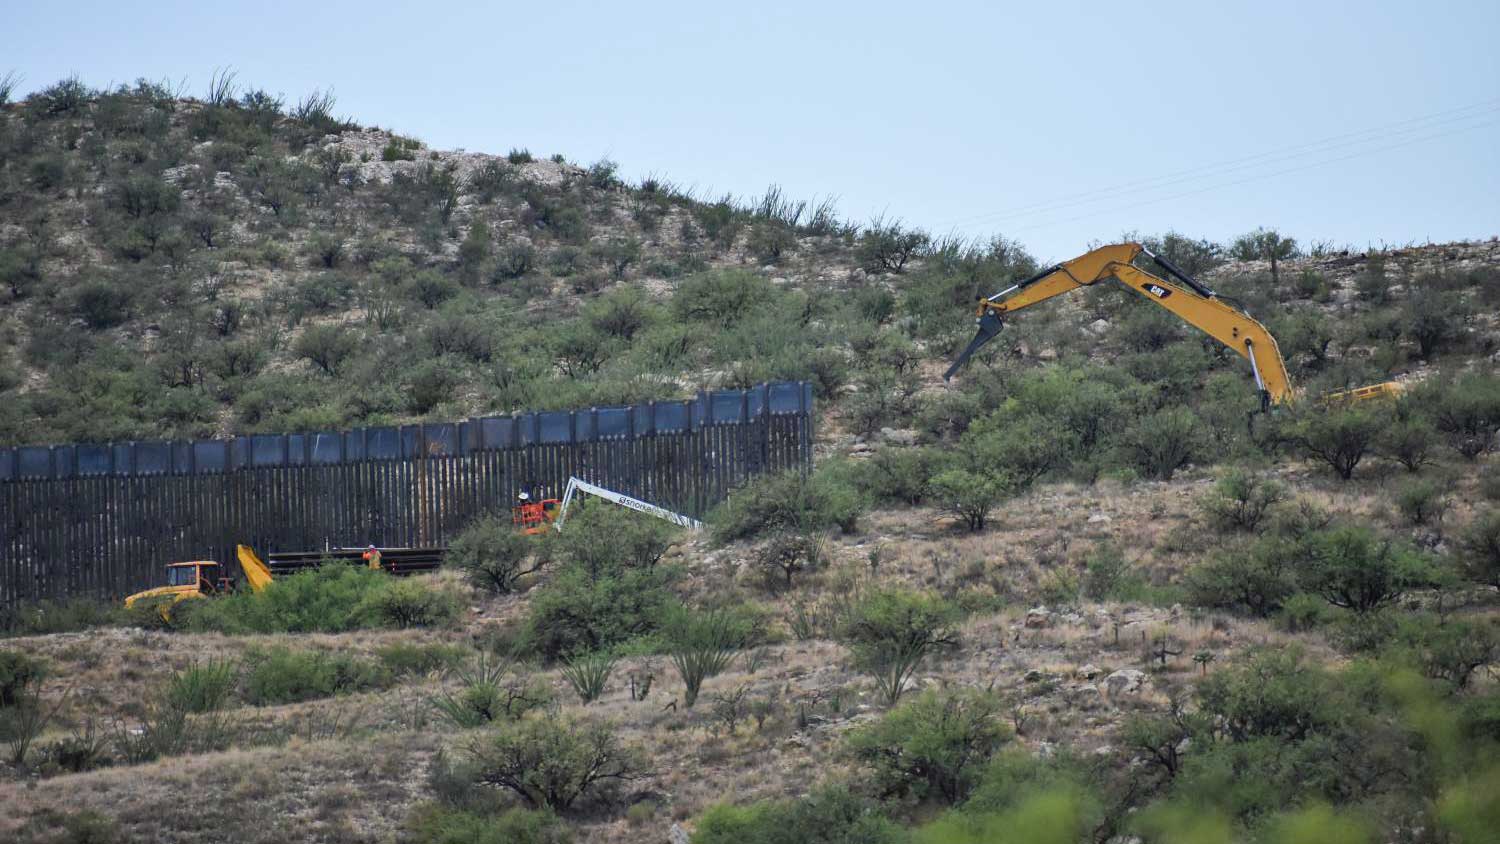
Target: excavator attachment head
989,326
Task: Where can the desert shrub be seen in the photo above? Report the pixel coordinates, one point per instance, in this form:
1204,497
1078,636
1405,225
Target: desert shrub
887,246
33,618
1450,651
1257,577
1479,549
933,746
1269,693
723,297
493,555
701,645
281,675
1107,575
488,690
514,260
967,495
789,501
102,304
1161,443
327,347
786,555
1408,438
890,633
830,815
1422,502
519,156
1353,568
588,674
18,673
603,538
1339,437
411,602
409,659
575,612
1467,413
205,687
769,241
329,599
1241,500
551,763
899,475
1303,612
1434,319
436,824
1018,447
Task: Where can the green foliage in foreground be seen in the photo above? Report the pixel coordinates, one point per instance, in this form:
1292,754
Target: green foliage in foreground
436,824
36,618
282,675
831,815
329,599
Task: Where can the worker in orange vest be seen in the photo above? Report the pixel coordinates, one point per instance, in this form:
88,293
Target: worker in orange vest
372,557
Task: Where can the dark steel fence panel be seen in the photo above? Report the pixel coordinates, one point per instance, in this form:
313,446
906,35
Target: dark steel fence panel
102,519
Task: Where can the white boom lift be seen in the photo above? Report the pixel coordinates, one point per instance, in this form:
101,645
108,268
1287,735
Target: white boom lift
580,485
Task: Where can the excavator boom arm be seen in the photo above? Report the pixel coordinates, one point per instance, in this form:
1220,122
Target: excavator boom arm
1192,302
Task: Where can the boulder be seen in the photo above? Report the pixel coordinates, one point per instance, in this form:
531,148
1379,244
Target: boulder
1126,681
1099,518
1088,671
678,835
1098,327
1038,617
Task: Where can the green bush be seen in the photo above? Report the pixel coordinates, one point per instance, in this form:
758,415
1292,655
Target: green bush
35,618
577,613
410,602
1241,500
890,633
887,246
933,746
602,538
1163,442
967,495
552,763
407,659
493,555
830,815
1422,502
281,675
588,674
329,599
1408,439
205,687
790,501
489,690
436,824
1479,549
1339,437
1353,568
18,673
1467,413
1257,577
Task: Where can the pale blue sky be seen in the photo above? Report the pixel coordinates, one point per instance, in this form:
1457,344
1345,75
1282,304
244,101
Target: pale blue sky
974,118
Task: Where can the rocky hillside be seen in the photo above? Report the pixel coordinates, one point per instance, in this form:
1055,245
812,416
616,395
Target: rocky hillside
1085,593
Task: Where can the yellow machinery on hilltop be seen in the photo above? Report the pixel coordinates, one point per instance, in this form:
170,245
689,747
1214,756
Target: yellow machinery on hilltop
1191,301
202,579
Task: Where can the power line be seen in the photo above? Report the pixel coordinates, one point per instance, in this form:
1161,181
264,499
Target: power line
1258,177
1207,171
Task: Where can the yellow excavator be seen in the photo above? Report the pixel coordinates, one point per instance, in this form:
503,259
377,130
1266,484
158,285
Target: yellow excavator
202,579
1190,300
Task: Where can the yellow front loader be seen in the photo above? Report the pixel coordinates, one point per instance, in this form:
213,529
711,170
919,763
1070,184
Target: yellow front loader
1179,293
201,579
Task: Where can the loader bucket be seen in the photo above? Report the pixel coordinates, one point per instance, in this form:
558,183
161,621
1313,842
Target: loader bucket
257,573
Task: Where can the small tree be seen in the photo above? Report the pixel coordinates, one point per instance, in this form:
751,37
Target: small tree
1241,500
1257,578
1265,245
1479,549
326,346
886,247
488,691
890,633
551,763
1163,442
1353,568
933,746
967,495
1467,412
1338,436
493,555
785,555
1407,439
